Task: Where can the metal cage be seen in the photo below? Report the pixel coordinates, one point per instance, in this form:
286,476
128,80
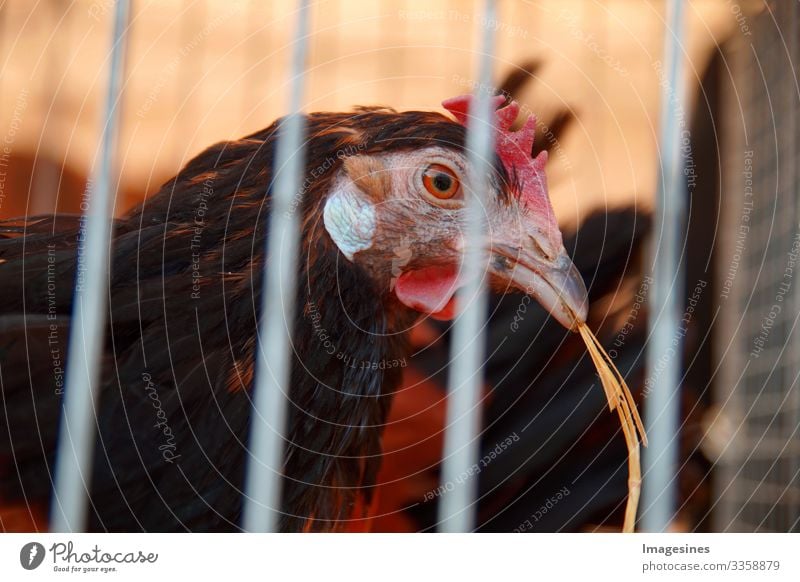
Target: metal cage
262,482
758,344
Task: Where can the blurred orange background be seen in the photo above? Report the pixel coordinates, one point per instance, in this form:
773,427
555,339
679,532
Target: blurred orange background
200,71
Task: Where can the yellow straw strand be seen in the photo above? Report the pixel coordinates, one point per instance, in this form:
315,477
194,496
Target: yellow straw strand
620,398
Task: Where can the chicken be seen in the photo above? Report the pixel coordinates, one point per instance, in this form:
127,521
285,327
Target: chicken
382,216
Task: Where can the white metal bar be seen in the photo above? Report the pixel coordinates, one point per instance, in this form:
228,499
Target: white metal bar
261,512
77,429
662,407
461,439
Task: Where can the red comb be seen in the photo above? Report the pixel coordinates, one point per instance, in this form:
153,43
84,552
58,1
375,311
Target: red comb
514,150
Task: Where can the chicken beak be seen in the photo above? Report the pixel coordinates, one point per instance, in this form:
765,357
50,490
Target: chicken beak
554,282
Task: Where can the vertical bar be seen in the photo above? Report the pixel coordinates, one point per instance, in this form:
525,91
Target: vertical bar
261,510
76,432
461,439
662,407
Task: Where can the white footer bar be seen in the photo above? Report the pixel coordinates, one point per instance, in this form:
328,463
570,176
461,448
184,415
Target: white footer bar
387,557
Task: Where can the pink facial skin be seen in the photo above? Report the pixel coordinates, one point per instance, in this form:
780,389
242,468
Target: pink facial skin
430,290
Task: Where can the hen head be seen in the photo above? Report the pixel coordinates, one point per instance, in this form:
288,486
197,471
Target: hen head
399,213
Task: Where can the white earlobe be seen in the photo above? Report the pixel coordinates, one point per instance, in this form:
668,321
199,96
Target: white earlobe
349,219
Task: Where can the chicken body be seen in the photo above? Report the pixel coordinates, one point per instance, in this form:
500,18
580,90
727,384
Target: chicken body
379,247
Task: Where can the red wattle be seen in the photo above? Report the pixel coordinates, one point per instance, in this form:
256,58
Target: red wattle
429,290
449,311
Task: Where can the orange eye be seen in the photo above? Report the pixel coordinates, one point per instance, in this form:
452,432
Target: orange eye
440,181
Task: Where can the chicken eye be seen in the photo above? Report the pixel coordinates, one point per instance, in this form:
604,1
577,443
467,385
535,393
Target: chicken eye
441,182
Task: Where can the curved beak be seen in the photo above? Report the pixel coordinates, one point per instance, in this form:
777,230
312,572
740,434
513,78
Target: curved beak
554,282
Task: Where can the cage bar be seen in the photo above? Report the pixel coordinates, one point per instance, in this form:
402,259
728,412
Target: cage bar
662,407
462,429
261,512
82,382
